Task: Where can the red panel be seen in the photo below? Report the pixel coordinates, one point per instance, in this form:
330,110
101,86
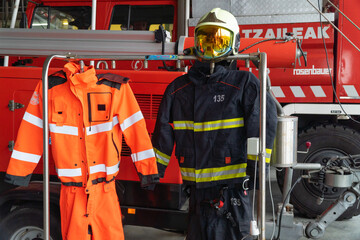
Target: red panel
348,76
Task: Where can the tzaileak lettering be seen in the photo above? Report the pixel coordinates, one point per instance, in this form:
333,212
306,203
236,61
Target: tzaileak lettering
299,32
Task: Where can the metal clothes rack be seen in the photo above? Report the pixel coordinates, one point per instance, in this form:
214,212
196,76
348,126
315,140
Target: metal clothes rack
261,57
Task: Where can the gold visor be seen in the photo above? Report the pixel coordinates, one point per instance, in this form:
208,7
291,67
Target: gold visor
212,42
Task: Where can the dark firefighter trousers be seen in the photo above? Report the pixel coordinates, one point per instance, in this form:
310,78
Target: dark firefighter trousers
210,219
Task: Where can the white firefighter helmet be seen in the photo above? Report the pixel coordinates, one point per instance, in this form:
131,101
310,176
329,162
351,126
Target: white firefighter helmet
216,35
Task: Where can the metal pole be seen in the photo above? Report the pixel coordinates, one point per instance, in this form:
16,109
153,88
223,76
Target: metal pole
287,185
187,17
93,22
93,15
12,25
46,204
262,137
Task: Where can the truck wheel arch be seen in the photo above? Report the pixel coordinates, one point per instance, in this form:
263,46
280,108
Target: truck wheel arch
28,197
28,222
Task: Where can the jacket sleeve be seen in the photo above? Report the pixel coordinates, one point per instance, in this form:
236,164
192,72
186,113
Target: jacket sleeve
251,99
163,136
133,126
29,143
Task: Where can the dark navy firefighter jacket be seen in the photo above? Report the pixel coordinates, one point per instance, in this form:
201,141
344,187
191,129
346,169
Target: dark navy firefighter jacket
209,118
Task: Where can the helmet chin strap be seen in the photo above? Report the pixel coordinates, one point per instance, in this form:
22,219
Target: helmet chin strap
212,67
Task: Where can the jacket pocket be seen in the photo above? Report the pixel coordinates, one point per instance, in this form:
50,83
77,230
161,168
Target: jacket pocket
99,104
185,156
222,155
58,113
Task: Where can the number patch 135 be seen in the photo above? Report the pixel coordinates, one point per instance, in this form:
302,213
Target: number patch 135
219,98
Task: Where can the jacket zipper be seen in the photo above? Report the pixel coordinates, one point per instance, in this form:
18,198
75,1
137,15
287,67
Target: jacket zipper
117,150
89,108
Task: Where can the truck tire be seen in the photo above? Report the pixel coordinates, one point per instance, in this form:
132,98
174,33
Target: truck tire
326,141
27,223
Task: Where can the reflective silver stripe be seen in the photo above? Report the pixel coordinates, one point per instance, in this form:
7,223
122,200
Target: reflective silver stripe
97,168
297,91
181,125
26,157
33,119
102,168
131,120
112,169
102,127
69,130
143,155
278,92
351,90
318,91
63,172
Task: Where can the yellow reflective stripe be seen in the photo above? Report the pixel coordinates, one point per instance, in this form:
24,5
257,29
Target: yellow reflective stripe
161,157
214,174
218,178
256,158
209,126
253,158
220,124
183,125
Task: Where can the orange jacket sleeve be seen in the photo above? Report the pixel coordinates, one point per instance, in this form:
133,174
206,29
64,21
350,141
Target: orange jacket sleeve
29,144
133,126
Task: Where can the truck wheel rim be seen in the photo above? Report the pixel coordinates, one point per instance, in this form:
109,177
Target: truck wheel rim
28,233
321,157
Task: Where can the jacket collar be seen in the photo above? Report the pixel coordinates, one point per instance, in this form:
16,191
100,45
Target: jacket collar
199,73
74,74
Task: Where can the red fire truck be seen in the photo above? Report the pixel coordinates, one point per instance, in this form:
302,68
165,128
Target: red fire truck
322,90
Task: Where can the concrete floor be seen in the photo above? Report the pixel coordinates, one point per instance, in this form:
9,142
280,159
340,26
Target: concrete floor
345,230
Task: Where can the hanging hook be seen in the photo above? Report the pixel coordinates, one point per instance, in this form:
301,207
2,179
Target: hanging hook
82,65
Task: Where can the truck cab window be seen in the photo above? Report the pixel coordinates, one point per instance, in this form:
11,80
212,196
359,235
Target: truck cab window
62,18
144,17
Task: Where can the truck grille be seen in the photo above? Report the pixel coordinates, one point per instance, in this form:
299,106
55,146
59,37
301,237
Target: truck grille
149,105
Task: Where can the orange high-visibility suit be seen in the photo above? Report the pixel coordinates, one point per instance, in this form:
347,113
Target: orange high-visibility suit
88,114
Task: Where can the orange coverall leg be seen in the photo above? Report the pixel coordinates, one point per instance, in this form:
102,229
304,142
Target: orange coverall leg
99,209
